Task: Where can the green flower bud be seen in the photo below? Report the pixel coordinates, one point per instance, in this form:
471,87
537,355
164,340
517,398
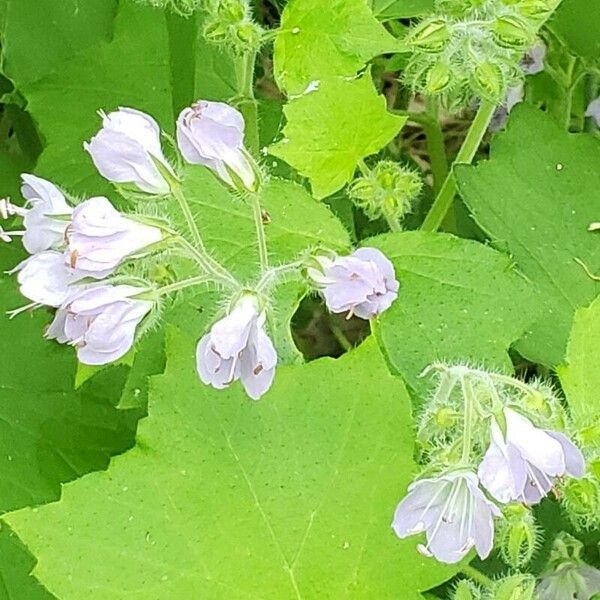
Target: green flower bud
535,9
430,36
387,191
515,587
537,402
582,501
488,80
518,536
466,590
438,78
513,32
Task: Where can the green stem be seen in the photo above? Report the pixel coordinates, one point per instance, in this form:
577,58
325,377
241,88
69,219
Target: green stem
469,406
246,100
272,275
260,232
477,576
393,222
210,266
435,144
339,335
444,199
189,217
181,285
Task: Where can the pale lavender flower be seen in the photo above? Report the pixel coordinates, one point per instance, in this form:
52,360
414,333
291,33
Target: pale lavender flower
523,465
44,199
8,209
570,581
127,149
100,238
454,514
237,347
593,111
212,134
363,284
45,279
533,60
100,321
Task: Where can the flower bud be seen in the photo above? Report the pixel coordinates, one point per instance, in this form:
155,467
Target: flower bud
518,536
515,587
212,134
387,191
536,10
512,32
488,80
438,78
466,590
582,501
430,36
100,321
100,238
127,150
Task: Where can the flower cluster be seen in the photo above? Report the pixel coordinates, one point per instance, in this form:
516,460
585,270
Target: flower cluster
516,426
87,258
472,49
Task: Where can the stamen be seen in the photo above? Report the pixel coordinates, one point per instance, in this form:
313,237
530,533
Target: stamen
17,311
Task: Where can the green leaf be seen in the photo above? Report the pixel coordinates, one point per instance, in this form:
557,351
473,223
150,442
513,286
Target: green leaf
331,129
580,376
457,303
577,23
320,40
16,583
50,433
536,197
386,10
296,222
39,35
223,497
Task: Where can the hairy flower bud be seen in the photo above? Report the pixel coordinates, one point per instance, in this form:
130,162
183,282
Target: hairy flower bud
488,80
511,31
388,190
514,587
582,501
466,590
212,134
127,150
438,78
518,536
430,36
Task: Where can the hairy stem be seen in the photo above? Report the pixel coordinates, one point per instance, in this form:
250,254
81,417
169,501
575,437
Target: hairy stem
435,145
246,100
444,199
477,576
181,285
392,221
271,276
210,266
260,232
189,217
469,406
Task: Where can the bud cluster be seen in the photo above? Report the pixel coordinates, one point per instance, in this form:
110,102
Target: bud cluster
387,191
492,446
513,587
473,48
230,23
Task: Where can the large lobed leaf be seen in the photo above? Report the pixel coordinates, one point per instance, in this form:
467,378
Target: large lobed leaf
223,497
459,301
332,128
321,40
535,197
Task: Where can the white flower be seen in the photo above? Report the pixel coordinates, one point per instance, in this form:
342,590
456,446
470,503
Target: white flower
237,347
570,581
100,321
363,283
454,514
100,237
8,209
126,148
593,110
43,232
212,134
44,278
523,466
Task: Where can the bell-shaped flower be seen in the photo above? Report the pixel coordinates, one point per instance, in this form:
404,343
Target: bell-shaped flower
363,283
570,580
100,238
533,60
127,149
454,514
45,279
522,464
44,199
100,321
237,347
212,134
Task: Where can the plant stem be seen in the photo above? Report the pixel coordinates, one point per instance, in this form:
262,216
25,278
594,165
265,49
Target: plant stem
181,285
270,276
477,576
263,253
392,221
210,266
435,144
339,335
246,101
444,199
469,399
189,217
